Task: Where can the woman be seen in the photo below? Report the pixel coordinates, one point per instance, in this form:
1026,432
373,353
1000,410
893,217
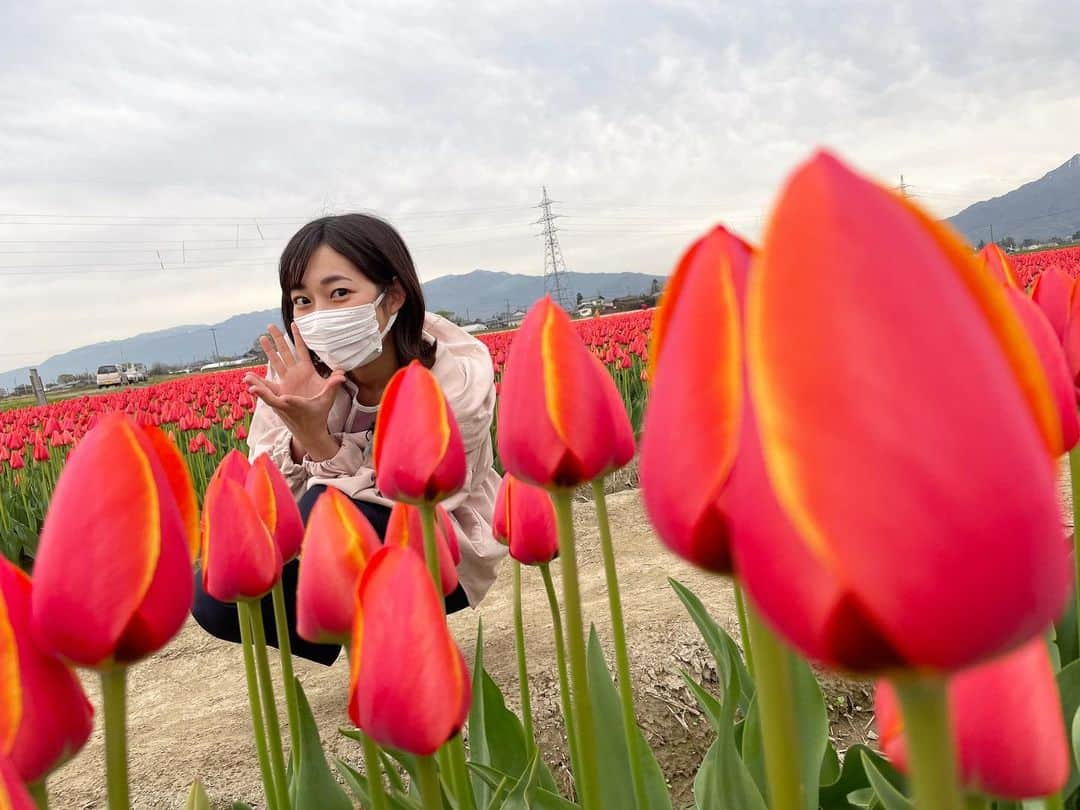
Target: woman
352,301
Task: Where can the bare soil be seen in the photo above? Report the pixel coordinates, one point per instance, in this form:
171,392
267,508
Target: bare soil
188,714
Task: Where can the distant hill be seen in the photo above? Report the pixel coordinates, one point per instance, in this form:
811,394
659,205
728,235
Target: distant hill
1049,206
480,294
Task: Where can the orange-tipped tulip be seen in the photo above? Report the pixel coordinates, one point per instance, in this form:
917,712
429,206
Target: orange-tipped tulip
1007,723
176,471
1072,337
697,376
1053,359
525,520
622,446
908,432
1051,292
406,528
45,717
555,419
418,454
274,502
13,793
234,466
999,266
112,579
409,685
240,559
338,544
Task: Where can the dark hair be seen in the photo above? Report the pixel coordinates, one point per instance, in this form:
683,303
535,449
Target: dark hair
376,250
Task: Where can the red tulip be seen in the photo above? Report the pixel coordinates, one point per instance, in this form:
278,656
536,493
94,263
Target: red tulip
1072,336
910,470
555,419
1008,728
13,794
44,716
176,471
1051,292
1053,360
16,461
696,366
274,501
418,453
622,445
234,466
338,544
406,528
525,520
409,686
113,512
41,452
997,262
240,559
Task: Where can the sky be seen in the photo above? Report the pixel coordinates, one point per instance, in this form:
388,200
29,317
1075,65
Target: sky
155,156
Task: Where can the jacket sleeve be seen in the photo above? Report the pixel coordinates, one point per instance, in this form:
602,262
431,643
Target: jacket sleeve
269,435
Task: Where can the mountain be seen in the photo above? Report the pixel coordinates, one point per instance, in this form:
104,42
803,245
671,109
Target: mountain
480,294
1049,206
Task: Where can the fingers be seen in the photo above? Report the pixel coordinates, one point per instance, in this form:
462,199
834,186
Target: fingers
302,353
288,358
266,390
276,365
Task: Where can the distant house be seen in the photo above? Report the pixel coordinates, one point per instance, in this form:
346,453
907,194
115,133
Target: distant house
473,328
517,317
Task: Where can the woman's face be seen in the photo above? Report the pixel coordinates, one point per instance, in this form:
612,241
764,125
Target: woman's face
332,281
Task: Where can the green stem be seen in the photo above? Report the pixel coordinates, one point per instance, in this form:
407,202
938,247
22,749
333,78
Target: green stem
281,624
1053,802
39,793
744,631
431,550
622,659
776,705
430,792
459,773
269,704
1074,474
256,709
564,681
588,778
929,738
374,773
523,670
114,698
976,801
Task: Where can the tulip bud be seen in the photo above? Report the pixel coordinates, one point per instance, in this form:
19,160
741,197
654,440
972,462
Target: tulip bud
45,717
240,559
234,465
409,686
338,543
1052,291
418,453
999,266
525,520
406,528
113,512
1008,728
274,501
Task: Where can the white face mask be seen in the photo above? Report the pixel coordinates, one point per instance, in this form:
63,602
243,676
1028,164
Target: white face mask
347,337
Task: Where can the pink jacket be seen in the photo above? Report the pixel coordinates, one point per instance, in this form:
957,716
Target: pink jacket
463,369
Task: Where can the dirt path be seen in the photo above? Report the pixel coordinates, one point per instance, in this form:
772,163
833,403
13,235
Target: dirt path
188,705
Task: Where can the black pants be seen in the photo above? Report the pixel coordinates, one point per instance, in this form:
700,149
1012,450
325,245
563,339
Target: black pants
220,619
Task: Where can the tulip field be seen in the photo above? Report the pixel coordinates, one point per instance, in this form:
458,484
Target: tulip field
880,501
208,414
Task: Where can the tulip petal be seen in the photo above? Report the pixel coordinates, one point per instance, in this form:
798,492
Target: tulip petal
11,702
240,558
1052,292
696,374
56,717
406,528
999,266
13,794
106,513
274,502
525,519
412,689
337,546
234,466
1007,722
176,472
906,434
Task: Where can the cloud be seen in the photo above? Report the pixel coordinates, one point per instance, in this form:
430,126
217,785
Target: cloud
234,123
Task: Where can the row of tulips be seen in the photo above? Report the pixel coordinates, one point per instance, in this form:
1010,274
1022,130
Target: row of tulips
865,442
1029,266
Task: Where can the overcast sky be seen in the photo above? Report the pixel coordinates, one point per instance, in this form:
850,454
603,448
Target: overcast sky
174,147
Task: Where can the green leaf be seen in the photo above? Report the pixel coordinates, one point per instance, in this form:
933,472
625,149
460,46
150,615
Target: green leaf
1068,681
830,765
613,757
711,706
723,648
313,782
543,799
197,798
1075,737
358,784
1065,632
751,747
836,795
521,797
886,792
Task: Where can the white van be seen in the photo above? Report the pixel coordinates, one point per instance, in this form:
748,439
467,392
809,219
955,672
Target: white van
110,375
136,372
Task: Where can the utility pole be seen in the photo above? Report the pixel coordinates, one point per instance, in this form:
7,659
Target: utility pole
554,264
991,233
217,354
903,187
